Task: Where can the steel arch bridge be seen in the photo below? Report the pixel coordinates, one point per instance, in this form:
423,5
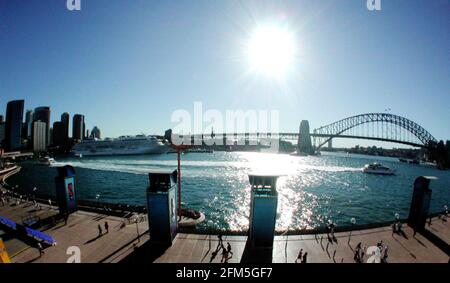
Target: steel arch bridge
374,126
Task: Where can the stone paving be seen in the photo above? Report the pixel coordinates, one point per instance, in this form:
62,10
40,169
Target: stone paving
82,231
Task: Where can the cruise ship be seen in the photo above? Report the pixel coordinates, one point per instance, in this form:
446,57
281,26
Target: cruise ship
124,145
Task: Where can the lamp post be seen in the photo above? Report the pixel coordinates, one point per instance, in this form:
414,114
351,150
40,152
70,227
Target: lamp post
137,229
97,197
446,210
352,222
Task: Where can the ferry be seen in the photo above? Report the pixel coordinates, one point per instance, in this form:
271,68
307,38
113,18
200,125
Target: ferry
47,161
124,145
377,168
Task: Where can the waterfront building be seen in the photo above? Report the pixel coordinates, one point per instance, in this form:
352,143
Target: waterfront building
65,120
59,134
13,125
39,136
78,127
28,123
96,133
2,133
43,114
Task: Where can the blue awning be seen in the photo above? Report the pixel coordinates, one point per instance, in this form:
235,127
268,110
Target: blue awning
40,236
11,224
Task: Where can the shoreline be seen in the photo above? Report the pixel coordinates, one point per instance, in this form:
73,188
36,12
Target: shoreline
127,210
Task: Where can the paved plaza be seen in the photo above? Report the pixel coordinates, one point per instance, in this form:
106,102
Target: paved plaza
122,242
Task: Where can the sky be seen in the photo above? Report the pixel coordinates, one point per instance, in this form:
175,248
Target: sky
128,65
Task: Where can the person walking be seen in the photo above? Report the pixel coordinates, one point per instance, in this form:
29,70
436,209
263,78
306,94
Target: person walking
224,254
106,227
300,256
41,249
229,248
305,257
100,232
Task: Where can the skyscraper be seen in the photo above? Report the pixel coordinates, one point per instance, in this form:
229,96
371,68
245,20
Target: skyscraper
59,134
13,126
39,136
95,133
65,120
78,127
1,119
28,123
43,114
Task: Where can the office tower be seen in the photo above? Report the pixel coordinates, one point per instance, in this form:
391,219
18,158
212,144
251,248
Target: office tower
2,133
43,114
13,125
78,127
65,120
39,136
59,134
95,133
28,123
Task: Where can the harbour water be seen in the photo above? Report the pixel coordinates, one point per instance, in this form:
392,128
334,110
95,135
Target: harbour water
312,189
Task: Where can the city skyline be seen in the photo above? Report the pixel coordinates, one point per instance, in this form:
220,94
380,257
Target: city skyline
128,67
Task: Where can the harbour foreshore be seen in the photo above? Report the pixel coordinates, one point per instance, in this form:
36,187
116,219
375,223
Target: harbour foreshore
127,241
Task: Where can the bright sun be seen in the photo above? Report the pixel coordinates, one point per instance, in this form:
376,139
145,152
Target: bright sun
271,51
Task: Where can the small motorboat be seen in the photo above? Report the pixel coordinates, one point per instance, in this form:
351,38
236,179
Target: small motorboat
377,168
47,161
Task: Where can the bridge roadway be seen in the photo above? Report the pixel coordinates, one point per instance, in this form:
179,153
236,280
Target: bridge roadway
121,244
294,137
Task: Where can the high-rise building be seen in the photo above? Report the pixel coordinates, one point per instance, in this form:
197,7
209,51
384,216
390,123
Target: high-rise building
95,133
2,133
78,127
28,123
1,119
43,114
59,134
65,120
13,125
39,136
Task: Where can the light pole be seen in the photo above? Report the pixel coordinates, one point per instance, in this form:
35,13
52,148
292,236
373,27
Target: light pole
97,197
137,229
446,211
352,222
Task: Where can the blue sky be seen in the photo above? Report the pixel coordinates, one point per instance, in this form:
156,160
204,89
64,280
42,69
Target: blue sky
127,65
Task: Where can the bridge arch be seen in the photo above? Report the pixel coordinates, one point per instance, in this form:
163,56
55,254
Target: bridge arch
336,129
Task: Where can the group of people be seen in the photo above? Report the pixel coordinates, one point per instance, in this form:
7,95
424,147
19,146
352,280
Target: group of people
380,253
302,257
227,254
100,231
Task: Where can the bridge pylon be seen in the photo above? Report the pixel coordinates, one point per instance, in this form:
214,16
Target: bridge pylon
304,144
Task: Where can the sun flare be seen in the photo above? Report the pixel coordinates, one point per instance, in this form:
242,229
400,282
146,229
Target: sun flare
271,51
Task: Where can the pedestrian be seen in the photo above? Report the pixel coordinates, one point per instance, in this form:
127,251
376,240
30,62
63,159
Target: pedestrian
305,258
229,248
220,240
385,255
224,254
41,249
106,227
300,255
100,232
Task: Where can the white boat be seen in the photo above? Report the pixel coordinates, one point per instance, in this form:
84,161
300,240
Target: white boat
47,161
377,168
124,145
